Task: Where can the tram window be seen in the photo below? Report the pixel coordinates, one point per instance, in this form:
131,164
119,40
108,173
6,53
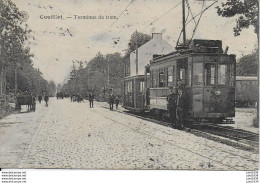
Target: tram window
141,86
222,74
170,76
209,72
161,79
182,74
231,75
129,89
197,74
151,79
173,76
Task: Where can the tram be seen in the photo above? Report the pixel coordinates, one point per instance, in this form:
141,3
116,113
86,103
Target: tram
205,71
199,74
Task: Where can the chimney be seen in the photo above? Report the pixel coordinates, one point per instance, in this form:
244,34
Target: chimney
157,35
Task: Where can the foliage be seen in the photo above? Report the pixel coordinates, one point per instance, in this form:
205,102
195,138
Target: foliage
137,39
15,55
248,64
247,10
102,72
94,77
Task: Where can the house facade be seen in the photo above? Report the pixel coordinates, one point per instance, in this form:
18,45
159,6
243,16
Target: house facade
156,46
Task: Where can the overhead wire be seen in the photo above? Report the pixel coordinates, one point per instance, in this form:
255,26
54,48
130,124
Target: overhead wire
189,8
197,15
162,15
121,14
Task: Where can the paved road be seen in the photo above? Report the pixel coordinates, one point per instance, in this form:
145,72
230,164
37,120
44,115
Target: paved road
71,135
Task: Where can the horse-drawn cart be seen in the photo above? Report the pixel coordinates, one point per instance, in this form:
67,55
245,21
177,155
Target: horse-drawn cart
25,100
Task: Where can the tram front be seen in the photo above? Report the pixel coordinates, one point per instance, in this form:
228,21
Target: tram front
213,85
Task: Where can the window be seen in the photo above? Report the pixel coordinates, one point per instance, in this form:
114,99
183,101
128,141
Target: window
170,76
197,74
151,80
222,74
129,86
141,86
161,79
182,74
231,75
209,72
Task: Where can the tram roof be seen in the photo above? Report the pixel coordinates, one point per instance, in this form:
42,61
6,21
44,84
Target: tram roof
246,78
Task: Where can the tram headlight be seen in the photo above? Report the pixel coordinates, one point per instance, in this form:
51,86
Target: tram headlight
217,92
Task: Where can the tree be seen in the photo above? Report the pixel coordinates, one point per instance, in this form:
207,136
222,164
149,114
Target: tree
14,55
248,64
247,10
137,39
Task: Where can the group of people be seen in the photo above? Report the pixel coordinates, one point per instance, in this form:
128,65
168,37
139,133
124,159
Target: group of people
76,98
177,105
113,99
46,99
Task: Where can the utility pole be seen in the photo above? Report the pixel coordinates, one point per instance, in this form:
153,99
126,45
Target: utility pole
15,79
183,22
136,52
108,72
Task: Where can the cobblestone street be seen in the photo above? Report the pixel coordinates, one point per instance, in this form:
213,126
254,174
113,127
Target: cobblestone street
72,135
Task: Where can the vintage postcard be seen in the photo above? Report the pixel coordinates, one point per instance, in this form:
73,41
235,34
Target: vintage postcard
129,84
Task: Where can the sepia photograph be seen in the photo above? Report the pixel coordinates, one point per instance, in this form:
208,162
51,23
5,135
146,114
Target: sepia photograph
129,85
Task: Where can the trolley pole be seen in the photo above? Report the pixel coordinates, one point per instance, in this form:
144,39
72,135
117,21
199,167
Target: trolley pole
183,22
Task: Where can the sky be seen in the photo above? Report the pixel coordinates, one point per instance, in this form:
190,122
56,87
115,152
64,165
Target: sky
56,43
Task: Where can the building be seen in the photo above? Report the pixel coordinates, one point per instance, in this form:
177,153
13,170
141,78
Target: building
156,46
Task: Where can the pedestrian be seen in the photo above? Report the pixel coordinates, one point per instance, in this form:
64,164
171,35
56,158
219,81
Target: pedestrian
46,99
116,102
40,98
33,102
91,99
172,105
111,101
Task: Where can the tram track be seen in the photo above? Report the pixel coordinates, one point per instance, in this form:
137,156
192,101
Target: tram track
236,138
167,124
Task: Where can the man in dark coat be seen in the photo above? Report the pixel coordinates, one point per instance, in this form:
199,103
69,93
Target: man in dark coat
111,101
172,105
91,100
117,101
46,99
40,98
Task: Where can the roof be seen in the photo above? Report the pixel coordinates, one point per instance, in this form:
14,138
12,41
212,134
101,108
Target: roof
245,78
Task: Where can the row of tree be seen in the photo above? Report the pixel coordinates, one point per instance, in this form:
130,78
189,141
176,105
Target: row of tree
103,72
16,66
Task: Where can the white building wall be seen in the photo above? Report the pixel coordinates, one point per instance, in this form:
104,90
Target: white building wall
156,46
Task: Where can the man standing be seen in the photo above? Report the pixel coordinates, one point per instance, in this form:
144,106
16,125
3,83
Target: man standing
40,98
111,101
46,99
91,100
172,105
116,102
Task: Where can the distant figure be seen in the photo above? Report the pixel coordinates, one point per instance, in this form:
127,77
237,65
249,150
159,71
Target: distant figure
33,102
116,102
46,99
111,101
40,98
91,100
